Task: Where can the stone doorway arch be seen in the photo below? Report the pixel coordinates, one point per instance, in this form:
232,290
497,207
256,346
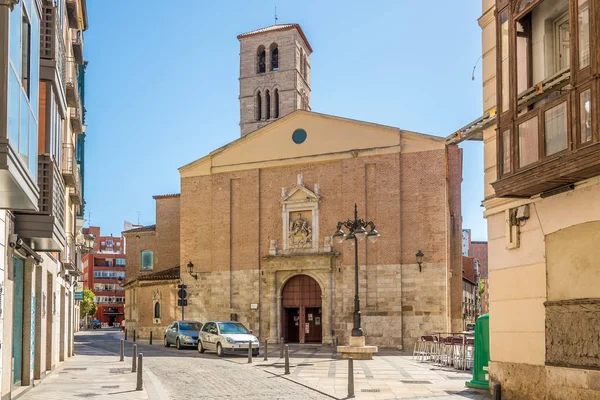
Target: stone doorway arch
301,310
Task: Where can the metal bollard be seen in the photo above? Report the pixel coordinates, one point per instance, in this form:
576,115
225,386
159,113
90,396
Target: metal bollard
125,334
497,391
150,337
134,358
249,352
350,377
122,350
134,336
140,381
287,360
281,348
266,350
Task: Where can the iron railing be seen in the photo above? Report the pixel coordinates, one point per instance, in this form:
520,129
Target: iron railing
72,91
68,164
75,190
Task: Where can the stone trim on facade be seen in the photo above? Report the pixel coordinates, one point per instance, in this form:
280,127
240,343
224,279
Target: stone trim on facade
572,333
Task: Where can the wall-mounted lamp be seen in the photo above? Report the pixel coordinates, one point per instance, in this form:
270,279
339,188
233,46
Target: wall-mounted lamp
190,268
420,259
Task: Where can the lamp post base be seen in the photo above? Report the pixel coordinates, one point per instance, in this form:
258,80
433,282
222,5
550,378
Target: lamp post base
357,332
357,349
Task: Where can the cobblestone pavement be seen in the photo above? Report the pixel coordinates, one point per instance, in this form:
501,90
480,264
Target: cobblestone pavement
316,373
186,374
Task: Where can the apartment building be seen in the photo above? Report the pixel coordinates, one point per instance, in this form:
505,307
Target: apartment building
104,274
41,187
541,79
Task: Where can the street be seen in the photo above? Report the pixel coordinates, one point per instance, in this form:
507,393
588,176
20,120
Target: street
316,373
187,374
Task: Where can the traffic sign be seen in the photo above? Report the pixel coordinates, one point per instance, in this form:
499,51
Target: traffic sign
181,303
182,293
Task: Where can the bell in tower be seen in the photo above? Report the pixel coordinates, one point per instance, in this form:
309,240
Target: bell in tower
274,75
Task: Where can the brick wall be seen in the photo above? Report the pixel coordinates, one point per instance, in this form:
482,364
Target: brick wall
163,239
287,79
413,198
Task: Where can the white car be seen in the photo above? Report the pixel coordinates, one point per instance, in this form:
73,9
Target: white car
227,337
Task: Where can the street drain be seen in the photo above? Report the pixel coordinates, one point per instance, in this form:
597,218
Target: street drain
109,387
87,395
416,382
370,390
74,369
458,378
118,370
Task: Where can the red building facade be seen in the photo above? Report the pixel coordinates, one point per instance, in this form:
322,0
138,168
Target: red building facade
104,274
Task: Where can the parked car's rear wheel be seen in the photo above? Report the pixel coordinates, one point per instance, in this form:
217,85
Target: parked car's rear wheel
166,342
219,350
200,347
178,344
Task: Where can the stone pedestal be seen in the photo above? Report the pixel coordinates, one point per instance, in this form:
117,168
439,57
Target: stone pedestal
357,349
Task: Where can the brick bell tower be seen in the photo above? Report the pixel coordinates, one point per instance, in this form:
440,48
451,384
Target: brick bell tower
274,74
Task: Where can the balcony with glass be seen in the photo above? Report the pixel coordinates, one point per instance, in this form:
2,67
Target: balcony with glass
547,136
45,229
19,133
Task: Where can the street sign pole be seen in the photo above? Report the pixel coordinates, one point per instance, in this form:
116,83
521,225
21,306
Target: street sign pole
182,294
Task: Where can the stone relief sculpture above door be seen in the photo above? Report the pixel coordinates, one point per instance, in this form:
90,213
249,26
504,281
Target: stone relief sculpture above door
300,218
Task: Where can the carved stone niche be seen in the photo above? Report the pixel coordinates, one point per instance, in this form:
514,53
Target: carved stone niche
300,218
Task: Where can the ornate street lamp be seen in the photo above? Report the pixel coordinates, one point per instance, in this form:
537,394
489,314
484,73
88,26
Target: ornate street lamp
190,268
419,256
357,232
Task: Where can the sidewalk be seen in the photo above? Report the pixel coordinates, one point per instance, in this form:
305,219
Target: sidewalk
390,375
90,373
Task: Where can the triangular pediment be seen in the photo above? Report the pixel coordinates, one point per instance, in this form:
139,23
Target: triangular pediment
300,193
304,137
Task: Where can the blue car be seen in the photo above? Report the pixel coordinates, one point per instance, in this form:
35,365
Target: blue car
95,324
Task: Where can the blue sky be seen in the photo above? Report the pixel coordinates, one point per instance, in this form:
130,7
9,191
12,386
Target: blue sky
162,85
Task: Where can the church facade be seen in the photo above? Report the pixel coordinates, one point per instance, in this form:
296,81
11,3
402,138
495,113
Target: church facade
258,215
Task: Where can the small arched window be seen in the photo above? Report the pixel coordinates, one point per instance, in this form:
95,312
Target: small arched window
274,57
268,101
301,62
276,100
261,55
258,106
157,310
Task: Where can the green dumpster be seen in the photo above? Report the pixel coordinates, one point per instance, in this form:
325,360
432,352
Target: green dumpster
482,354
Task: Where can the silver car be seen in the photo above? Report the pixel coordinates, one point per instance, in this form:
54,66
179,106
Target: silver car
227,337
182,333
